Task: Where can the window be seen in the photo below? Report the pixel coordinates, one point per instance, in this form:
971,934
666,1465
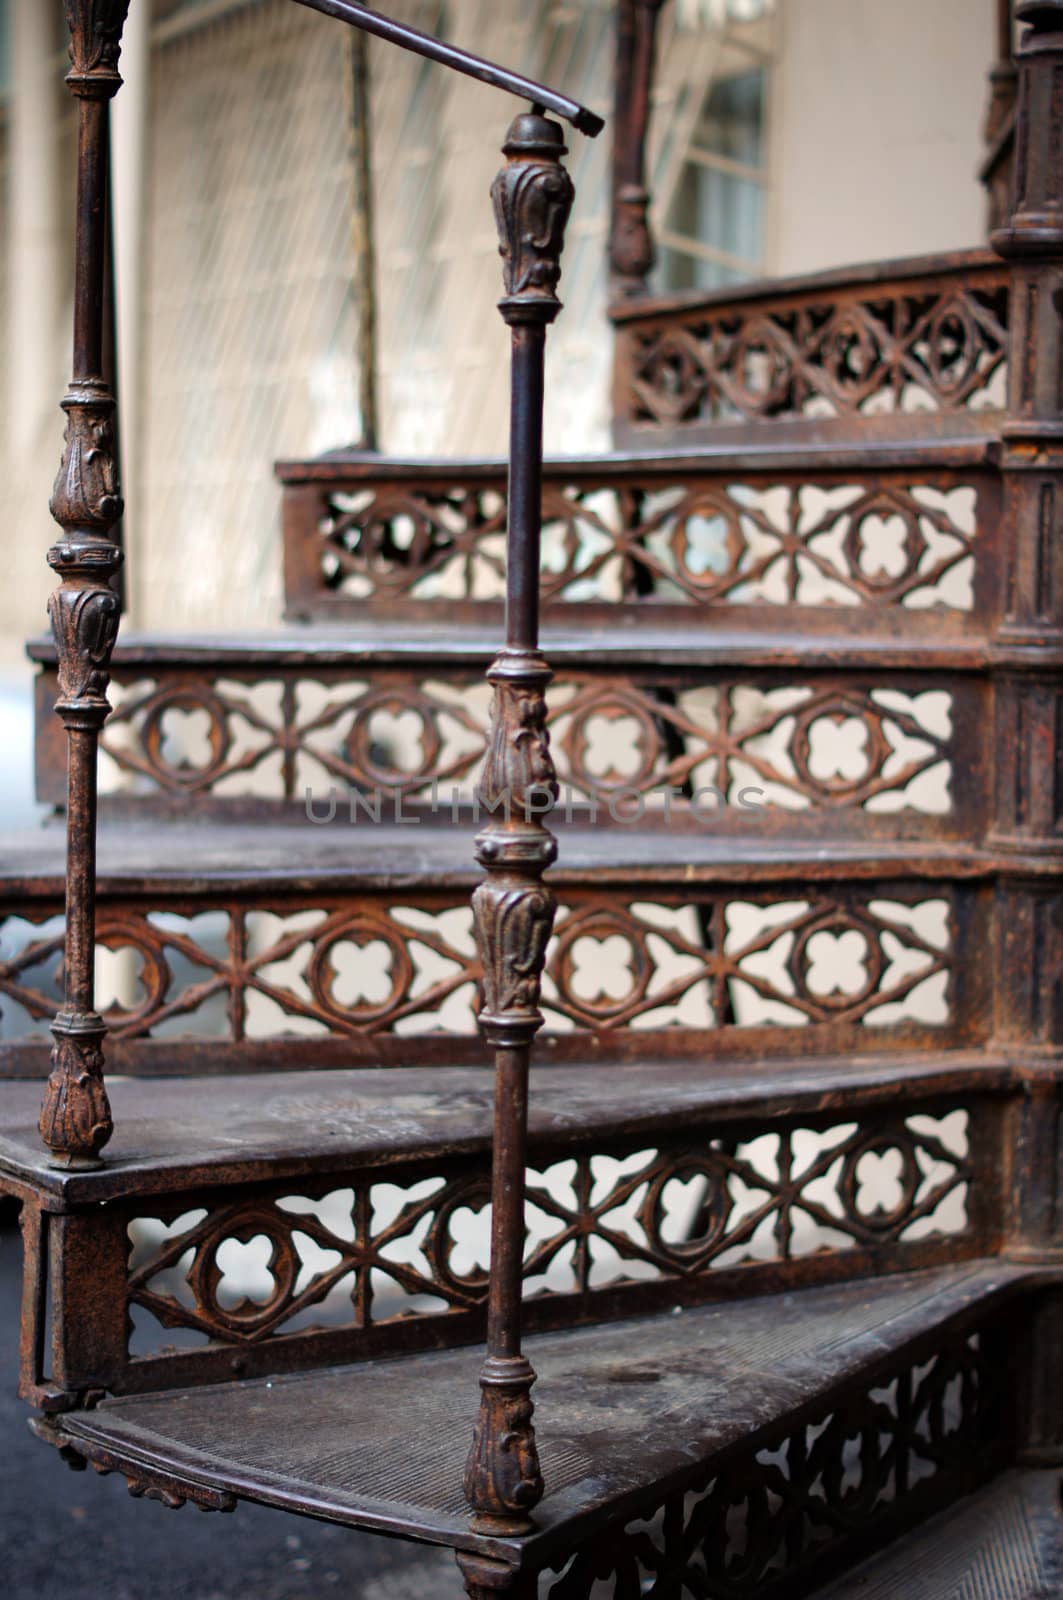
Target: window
712,220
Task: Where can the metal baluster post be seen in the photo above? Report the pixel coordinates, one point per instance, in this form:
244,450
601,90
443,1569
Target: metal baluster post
75,1120
631,248
514,910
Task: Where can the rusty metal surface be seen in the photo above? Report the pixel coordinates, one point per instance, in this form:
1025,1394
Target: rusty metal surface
627,1411
693,748
237,1128
641,539
920,347
75,1120
713,948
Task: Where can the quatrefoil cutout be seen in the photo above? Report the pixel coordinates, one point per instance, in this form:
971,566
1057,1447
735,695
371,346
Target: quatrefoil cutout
837,963
602,969
245,1272
186,739
879,1183
398,740
883,547
612,747
362,973
838,748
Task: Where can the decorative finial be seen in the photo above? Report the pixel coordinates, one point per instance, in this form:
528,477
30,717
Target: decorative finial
532,197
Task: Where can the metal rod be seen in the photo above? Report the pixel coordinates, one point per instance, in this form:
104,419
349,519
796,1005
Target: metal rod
75,1121
423,44
525,486
110,349
514,910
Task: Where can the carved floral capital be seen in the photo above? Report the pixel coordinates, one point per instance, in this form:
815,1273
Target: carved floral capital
75,1120
532,197
518,774
503,1479
95,45
85,495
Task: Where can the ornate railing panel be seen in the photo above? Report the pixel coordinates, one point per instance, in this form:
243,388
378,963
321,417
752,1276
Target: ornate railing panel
876,754
366,536
688,1214
256,980
913,348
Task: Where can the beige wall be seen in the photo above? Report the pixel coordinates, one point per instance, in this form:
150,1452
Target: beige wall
877,134
877,114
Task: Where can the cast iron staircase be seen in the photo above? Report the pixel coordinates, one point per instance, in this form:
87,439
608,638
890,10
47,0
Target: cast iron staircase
785,1212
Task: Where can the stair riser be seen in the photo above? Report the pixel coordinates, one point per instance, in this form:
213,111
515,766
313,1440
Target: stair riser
829,753
618,1225
214,979
668,541
889,354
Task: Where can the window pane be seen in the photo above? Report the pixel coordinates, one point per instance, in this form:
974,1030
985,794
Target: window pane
732,121
719,209
679,270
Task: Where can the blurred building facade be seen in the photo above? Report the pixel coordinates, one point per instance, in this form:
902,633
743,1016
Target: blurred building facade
275,182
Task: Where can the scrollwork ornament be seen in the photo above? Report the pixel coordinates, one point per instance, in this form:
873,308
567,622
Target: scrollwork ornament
503,1479
84,618
85,496
518,774
532,197
513,925
95,45
75,1120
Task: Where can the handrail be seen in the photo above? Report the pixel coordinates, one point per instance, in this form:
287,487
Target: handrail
448,55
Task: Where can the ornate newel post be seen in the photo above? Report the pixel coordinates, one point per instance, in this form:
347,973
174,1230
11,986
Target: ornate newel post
514,910
1028,688
75,1120
631,248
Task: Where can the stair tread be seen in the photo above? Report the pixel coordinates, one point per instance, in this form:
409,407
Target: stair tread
721,456
874,273
159,855
707,642
622,1408
174,1132
1003,1543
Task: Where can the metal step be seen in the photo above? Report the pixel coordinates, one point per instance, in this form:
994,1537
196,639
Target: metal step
246,945
650,1185
913,642
173,1134
1003,1543
673,536
156,856
862,733
632,1418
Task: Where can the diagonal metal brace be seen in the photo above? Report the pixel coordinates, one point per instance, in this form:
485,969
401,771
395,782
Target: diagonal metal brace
423,44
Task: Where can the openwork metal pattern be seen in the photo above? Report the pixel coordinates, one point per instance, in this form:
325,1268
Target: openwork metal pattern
376,966
935,345
874,541
925,1433
396,1247
840,743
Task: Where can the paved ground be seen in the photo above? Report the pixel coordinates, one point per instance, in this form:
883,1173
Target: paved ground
76,1536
